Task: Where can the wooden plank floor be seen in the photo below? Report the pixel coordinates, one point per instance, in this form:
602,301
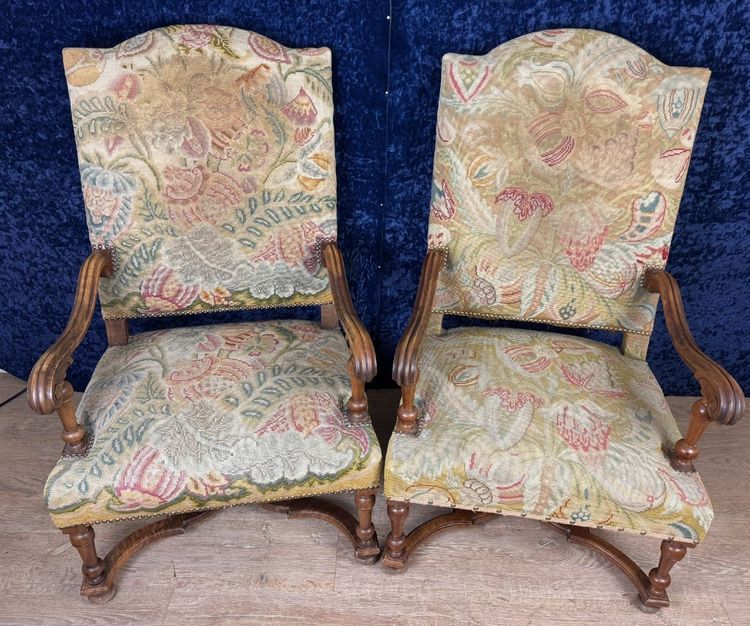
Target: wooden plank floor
246,565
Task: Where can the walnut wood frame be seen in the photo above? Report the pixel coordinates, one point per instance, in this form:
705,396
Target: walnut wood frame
49,392
721,401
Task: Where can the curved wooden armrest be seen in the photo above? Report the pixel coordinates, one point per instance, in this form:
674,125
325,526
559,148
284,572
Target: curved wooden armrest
722,397
363,352
47,388
405,370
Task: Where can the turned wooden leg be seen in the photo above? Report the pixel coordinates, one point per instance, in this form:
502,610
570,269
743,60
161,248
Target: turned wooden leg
395,555
82,538
367,541
73,434
407,412
357,405
659,579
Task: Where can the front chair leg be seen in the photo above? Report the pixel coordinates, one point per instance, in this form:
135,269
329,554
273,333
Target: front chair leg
367,549
395,554
94,570
659,579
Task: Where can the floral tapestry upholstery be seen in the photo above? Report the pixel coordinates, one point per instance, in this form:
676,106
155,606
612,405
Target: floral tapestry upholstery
211,416
545,426
560,161
207,164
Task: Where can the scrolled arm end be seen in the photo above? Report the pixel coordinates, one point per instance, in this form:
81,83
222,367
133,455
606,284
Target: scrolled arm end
364,363
722,397
47,388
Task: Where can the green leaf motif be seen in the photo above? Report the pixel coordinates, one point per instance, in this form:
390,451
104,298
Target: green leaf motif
222,43
97,115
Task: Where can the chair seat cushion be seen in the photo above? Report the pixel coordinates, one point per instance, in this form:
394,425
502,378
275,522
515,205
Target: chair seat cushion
545,426
211,416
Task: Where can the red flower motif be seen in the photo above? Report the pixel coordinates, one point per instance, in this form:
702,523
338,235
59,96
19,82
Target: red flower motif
207,377
301,110
197,36
163,292
268,48
212,483
584,432
196,194
147,483
509,403
523,204
127,86
528,358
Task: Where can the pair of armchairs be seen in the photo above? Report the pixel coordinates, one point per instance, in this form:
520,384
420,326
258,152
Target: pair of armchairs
207,163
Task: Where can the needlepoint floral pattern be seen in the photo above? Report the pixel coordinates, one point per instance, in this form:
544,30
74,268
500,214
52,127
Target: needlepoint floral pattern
207,163
210,416
546,426
560,161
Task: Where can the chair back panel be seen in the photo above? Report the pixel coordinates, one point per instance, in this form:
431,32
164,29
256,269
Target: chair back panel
560,162
207,163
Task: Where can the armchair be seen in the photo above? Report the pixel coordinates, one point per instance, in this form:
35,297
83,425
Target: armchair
560,162
207,164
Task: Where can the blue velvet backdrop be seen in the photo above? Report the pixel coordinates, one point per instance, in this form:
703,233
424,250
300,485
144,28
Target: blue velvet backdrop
386,79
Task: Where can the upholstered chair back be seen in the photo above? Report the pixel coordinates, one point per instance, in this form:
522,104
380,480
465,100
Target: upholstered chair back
207,163
560,162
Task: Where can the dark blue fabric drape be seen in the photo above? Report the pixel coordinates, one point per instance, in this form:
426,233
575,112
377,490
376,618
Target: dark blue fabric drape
386,76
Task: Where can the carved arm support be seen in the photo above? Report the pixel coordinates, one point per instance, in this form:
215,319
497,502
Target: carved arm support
721,399
362,365
48,391
405,370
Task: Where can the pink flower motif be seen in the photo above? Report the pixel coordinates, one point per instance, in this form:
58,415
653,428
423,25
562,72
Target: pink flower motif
211,484
509,403
211,343
251,342
303,135
197,36
127,86
301,110
163,292
583,237
584,432
195,195
268,48
307,332
147,483
524,205
207,377
195,144
102,203
528,358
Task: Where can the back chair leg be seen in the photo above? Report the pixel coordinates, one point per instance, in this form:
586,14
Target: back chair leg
367,549
395,554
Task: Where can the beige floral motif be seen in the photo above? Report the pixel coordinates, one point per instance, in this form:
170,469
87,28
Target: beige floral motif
195,195
221,414
209,126
594,132
546,426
